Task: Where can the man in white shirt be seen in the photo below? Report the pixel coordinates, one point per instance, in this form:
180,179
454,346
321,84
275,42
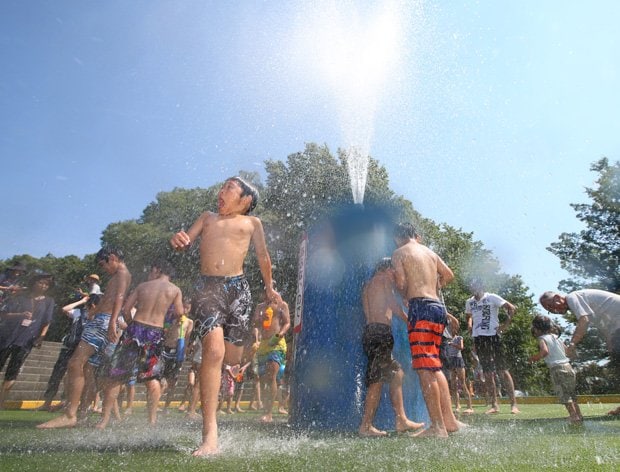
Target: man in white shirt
482,311
590,305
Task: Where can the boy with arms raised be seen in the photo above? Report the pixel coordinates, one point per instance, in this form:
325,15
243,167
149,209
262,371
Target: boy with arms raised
224,302
98,332
420,273
140,347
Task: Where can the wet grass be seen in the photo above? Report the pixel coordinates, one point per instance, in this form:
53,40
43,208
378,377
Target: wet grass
537,439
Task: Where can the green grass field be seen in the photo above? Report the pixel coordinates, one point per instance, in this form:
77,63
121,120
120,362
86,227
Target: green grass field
537,439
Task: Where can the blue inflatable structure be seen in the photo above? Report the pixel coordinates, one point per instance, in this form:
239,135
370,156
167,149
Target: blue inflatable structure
328,376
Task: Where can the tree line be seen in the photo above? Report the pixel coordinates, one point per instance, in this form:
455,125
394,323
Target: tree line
299,192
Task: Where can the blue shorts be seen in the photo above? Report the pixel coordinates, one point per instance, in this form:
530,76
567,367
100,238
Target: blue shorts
95,334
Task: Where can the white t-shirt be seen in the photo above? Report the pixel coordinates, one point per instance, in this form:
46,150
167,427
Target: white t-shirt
557,353
603,308
95,289
484,313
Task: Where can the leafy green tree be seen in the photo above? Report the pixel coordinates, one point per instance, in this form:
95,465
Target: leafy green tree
592,256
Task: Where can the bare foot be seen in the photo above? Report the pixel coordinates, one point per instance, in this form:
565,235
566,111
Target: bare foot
372,432
492,411
575,421
193,416
101,425
514,410
206,449
457,426
229,412
266,419
182,408
469,411
128,412
614,412
431,433
282,411
239,410
61,422
407,425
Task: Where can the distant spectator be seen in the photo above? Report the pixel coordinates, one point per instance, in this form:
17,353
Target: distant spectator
25,320
92,281
10,282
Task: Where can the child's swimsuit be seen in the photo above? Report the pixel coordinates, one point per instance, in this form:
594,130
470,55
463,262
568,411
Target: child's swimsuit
378,342
427,320
138,353
225,302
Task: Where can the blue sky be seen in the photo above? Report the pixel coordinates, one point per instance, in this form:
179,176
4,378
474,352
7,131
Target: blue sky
487,116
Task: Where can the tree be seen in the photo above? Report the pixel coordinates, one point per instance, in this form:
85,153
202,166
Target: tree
592,256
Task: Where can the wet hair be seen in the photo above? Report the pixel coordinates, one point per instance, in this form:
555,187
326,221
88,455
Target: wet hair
165,267
383,264
247,189
93,300
405,231
542,324
105,253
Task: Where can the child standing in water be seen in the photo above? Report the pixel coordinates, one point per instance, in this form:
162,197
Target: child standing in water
552,350
224,302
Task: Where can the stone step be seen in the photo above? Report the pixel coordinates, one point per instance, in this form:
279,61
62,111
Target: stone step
32,381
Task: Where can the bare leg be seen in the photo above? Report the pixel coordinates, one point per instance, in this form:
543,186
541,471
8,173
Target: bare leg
432,397
270,379
454,390
510,388
396,397
491,392
451,423
153,393
460,374
195,397
110,394
214,352
76,384
373,394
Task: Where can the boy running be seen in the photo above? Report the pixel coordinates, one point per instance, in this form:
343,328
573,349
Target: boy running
224,301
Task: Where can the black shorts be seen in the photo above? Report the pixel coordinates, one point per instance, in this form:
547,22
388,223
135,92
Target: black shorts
378,343
455,362
225,302
490,350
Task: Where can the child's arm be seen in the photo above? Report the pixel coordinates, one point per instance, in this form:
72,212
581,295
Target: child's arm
182,240
264,261
67,309
543,351
457,342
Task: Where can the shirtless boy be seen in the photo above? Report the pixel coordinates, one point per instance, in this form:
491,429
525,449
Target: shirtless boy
224,301
380,302
140,347
272,322
97,332
420,273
